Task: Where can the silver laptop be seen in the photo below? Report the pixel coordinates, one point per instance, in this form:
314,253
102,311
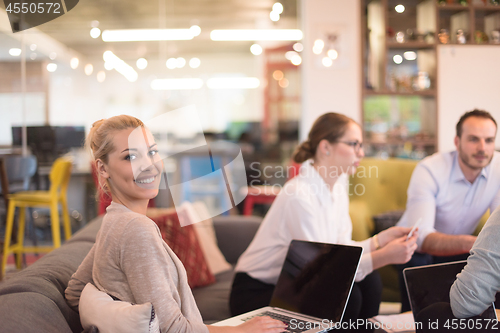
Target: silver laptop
430,284
313,288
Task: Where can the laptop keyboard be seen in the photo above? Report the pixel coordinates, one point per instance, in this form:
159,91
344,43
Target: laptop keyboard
284,319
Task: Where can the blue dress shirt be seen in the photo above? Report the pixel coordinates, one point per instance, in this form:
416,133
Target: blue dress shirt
446,201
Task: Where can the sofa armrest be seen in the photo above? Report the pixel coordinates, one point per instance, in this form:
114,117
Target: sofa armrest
362,220
234,234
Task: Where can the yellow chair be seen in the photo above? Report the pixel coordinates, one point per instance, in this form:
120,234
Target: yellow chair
59,178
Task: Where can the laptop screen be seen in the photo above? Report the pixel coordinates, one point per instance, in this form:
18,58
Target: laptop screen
316,279
430,284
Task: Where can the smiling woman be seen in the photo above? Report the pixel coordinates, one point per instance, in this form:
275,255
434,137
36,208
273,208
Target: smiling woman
132,171
130,261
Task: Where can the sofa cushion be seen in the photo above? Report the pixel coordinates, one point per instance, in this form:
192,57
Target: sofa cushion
234,234
49,277
88,233
29,312
184,242
213,300
98,309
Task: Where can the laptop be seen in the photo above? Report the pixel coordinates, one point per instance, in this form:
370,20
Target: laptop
430,284
313,288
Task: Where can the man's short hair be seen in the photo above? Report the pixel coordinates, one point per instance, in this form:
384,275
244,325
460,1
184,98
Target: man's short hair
473,113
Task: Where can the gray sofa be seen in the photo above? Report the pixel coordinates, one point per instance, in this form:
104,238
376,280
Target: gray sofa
32,300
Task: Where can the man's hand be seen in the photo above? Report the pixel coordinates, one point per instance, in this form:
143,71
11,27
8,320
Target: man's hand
439,244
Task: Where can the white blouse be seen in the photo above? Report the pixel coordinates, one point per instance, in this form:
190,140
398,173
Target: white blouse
305,209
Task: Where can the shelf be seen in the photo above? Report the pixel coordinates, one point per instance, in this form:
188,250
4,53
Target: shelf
425,93
492,8
400,141
472,43
457,7
410,45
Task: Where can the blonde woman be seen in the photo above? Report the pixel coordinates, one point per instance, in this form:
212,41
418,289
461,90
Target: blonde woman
129,260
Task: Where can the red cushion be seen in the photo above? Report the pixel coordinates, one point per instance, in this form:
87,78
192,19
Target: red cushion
184,242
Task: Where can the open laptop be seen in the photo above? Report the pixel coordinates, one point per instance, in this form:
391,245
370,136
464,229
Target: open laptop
313,288
430,284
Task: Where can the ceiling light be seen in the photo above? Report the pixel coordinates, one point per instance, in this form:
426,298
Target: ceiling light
233,83
74,63
15,52
410,55
176,84
94,24
290,54
120,66
278,8
33,47
141,63
172,63
138,35
399,8
319,43
51,67
317,50
283,83
332,54
101,76
327,62
397,59
298,47
195,30
256,49
278,75
296,60
194,63
256,34
181,62
33,56
108,66
52,55
95,32
89,69
274,16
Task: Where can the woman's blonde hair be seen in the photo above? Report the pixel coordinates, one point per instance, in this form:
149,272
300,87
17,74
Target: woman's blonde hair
330,126
100,139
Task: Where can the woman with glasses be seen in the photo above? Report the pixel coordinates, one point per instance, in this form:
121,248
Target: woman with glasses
314,206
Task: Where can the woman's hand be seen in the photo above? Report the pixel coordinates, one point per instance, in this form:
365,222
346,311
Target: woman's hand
262,324
388,235
400,250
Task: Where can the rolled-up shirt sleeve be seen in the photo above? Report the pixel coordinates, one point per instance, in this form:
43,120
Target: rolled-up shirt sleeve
421,203
476,286
366,262
496,202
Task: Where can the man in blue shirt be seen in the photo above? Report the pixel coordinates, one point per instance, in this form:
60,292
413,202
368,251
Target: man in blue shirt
451,191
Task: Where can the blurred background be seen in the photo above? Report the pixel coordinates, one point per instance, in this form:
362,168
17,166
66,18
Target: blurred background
258,73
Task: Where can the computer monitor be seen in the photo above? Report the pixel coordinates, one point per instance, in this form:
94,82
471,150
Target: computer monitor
49,142
17,136
42,141
69,137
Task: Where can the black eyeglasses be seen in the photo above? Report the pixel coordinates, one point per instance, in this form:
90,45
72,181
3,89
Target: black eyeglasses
356,145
